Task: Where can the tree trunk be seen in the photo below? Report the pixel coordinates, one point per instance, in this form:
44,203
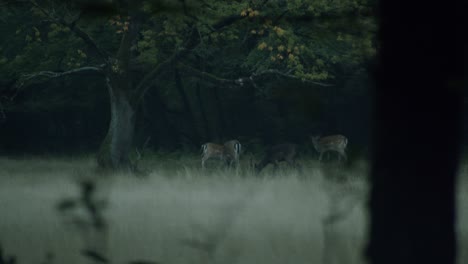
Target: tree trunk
187,109
115,149
170,132
203,113
219,107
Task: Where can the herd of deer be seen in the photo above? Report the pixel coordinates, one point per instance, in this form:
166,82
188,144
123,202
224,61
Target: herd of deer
230,151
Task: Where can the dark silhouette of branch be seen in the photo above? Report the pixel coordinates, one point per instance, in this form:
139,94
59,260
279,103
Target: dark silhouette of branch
250,79
51,74
143,262
211,77
91,254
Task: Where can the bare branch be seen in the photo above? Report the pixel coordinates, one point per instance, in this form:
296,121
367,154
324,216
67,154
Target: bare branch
50,74
250,79
290,76
210,76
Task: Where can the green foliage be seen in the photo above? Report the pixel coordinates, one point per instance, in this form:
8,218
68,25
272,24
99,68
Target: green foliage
312,40
310,49
147,46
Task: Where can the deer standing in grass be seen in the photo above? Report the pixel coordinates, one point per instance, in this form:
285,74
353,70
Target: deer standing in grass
275,154
335,143
232,151
228,153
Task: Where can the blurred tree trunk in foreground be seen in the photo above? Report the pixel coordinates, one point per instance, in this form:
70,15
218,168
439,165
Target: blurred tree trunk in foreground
417,133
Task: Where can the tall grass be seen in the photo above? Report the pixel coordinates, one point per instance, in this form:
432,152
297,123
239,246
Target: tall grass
182,214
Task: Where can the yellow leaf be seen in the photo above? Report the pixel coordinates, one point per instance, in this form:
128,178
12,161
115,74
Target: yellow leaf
280,31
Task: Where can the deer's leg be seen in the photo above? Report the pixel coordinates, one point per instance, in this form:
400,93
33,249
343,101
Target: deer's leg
224,160
204,158
320,157
236,162
232,161
345,156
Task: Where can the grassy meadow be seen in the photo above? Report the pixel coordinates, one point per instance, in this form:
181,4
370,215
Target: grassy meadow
181,214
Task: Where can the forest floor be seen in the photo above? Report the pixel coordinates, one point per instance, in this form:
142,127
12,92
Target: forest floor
179,213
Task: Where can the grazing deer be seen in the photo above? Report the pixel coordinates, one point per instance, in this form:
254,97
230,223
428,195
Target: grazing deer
232,150
335,143
229,152
282,152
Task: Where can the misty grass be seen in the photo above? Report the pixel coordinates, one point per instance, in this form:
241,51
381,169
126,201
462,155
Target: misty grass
180,213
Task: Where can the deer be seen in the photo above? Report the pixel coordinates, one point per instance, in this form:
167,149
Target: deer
283,152
232,151
332,143
229,152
